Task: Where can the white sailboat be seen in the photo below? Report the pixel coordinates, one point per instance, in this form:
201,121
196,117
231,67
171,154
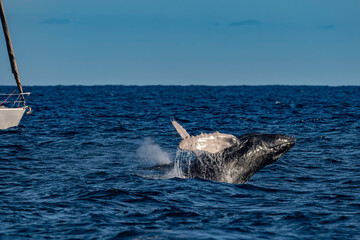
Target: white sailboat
11,112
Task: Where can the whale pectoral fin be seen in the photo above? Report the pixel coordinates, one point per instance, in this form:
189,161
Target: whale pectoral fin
182,132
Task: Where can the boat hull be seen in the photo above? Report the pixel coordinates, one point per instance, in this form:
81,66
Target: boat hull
10,117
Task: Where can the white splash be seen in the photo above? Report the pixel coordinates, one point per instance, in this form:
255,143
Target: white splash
151,153
177,171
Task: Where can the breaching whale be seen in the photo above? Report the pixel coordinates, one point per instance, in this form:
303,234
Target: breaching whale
226,158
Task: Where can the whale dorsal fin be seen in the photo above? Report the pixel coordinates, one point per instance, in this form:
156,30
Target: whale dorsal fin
182,132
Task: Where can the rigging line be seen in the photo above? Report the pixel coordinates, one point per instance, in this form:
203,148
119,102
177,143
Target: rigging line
7,98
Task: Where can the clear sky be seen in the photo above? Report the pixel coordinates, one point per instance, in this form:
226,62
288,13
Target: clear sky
183,42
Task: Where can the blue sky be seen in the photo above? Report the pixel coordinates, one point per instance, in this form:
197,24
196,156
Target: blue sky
207,42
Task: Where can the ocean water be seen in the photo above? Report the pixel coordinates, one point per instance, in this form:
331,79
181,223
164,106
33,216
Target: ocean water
80,166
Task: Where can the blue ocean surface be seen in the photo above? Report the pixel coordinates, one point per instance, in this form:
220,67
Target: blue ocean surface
80,166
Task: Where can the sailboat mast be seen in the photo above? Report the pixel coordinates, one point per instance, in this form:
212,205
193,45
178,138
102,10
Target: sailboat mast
11,51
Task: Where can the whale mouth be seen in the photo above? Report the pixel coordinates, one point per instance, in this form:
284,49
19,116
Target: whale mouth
278,141
284,144
290,141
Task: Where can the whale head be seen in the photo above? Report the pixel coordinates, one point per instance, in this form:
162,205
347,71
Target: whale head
268,147
254,152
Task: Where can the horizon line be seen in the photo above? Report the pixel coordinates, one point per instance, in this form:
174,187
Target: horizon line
183,85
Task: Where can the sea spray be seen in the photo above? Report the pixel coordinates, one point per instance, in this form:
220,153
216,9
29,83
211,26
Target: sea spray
183,161
182,164
199,164
153,157
151,153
